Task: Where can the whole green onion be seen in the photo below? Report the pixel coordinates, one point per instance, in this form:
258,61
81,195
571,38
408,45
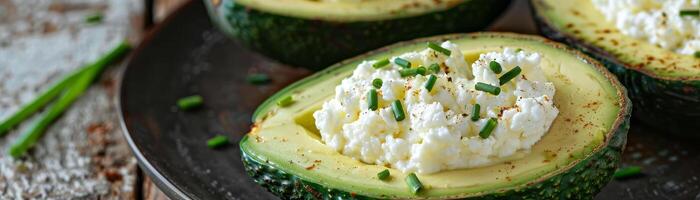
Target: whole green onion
487,88
381,63
286,101
377,83
397,108
403,63
438,48
475,112
36,104
413,183
509,75
217,141
488,128
430,83
76,88
495,67
190,102
372,102
384,175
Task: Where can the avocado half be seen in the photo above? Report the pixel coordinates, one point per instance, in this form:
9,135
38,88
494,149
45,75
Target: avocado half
316,34
663,85
577,157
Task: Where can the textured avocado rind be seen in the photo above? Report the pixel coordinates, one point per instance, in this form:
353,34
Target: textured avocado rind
315,44
669,105
581,181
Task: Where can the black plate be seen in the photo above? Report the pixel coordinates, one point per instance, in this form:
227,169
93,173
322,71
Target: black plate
185,55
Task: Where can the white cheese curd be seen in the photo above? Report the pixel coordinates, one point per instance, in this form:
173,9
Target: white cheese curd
656,21
437,132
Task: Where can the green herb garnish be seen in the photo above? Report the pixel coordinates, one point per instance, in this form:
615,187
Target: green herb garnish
403,63
286,101
94,18
488,128
495,67
381,63
383,175
627,172
487,88
413,183
377,83
421,70
438,48
372,101
408,72
258,79
430,83
397,108
435,68
509,75
217,141
689,13
190,102
475,112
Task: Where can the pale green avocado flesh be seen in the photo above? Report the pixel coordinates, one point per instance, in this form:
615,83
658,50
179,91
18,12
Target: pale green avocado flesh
664,85
284,153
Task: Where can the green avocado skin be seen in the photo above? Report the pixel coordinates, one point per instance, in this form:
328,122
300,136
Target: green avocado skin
582,181
316,44
672,106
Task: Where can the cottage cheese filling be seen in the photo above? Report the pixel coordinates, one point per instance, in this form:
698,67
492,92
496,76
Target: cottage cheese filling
437,133
657,21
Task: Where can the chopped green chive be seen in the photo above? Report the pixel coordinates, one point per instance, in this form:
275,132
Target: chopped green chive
258,79
381,63
372,102
286,101
509,75
487,88
94,18
475,112
397,108
518,50
435,68
689,13
421,70
495,67
430,83
408,72
383,175
190,102
403,63
488,128
627,172
438,48
377,83
697,54
413,183
217,141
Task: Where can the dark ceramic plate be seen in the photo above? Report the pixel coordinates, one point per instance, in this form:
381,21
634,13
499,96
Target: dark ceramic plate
185,55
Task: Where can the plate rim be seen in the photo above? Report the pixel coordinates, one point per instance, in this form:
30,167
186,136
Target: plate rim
163,183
